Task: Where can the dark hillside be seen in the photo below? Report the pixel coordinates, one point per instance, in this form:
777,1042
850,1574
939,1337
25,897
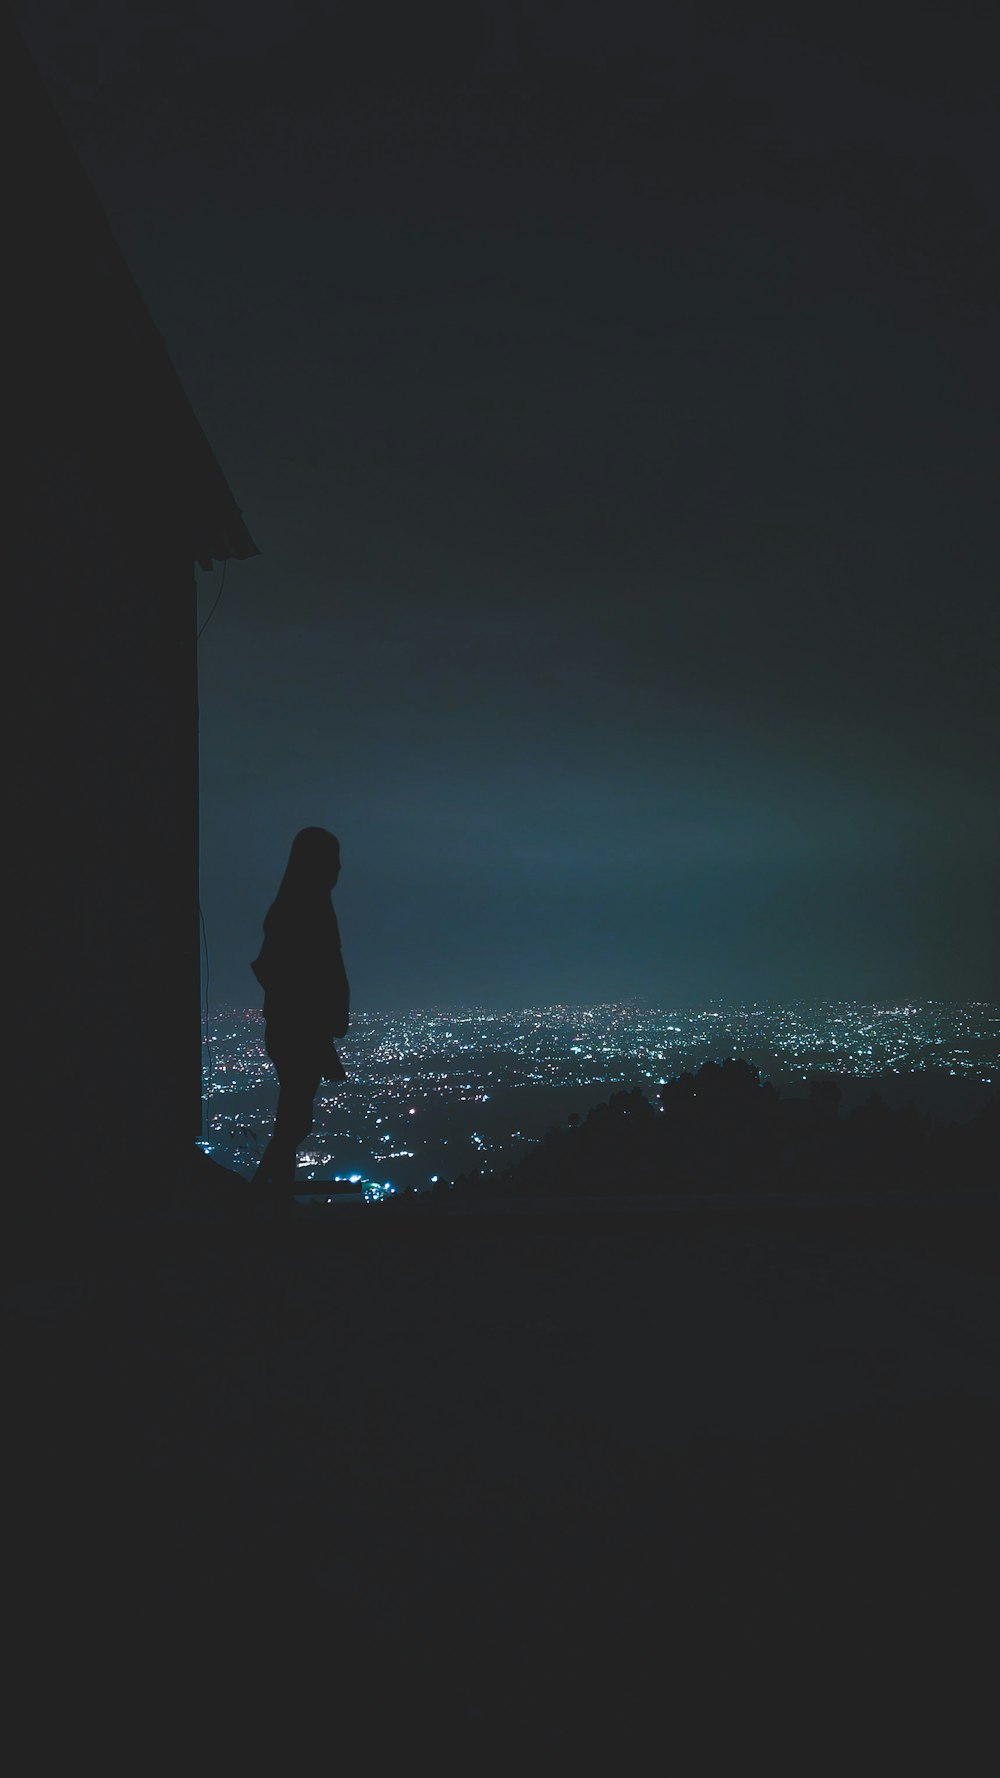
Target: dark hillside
725,1129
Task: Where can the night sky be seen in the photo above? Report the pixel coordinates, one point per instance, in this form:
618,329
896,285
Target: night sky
612,392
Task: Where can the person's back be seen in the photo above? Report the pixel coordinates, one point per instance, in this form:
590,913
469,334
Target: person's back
301,968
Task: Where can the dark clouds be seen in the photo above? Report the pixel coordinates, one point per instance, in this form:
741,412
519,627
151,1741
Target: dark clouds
613,396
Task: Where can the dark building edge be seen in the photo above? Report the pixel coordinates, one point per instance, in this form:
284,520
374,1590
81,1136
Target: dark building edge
116,495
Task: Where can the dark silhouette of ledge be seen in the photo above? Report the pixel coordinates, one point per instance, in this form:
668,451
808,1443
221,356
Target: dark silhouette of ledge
522,1465
528,1471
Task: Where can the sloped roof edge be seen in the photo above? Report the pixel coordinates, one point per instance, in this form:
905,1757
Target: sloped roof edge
87,339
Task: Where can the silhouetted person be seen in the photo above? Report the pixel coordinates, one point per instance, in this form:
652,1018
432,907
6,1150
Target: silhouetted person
306,999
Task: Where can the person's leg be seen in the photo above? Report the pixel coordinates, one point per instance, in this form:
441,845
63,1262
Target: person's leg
298,1084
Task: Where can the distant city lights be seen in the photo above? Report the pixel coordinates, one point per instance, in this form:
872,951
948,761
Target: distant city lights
476,1085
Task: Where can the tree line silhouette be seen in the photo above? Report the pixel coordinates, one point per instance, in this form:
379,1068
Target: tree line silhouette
726,1129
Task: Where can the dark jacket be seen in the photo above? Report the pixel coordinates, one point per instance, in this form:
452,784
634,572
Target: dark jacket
301,970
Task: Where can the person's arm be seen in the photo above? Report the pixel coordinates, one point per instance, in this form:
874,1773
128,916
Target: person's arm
275,971
339,996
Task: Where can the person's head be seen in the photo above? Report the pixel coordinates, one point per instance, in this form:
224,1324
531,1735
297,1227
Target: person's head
313,863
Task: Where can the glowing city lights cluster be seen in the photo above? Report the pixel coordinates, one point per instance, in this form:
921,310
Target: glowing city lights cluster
433,1093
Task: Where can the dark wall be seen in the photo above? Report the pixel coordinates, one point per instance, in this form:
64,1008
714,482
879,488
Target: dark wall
111,487
102,688
105,953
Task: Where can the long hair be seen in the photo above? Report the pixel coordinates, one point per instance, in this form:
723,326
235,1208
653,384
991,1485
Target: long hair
310,873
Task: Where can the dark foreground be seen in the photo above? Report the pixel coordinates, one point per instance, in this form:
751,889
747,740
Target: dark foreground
575,1480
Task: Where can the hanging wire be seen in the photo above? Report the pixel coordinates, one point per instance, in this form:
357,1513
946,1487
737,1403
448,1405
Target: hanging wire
209,1068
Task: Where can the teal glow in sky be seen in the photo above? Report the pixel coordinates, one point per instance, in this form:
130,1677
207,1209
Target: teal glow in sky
613,405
